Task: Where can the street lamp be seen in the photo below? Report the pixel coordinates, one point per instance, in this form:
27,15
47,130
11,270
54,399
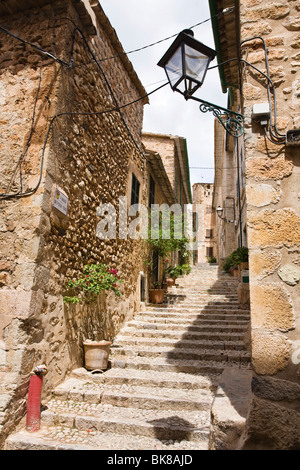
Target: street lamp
186,63
220,212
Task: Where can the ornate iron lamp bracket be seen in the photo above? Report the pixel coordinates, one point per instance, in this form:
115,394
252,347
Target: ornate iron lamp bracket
230,120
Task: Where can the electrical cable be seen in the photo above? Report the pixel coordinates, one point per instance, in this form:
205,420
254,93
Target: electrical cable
20,162
40,49
95,113
273,141
269,92
270,82
154,43
70,64
225,11
110,89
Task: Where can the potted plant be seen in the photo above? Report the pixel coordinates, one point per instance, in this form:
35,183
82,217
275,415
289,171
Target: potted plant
234,271
235,259
164,246
157,293
94,281
173,272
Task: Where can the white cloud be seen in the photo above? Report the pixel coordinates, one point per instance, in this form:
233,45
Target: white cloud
139,23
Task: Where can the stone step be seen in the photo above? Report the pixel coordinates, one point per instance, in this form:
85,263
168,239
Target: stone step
204,326
62,438
201,298
139,396
164,342
166,399
169,353
196,303
197,320
82,382
158,379
176,365
202,289
169,314
183,334
201,308
153,423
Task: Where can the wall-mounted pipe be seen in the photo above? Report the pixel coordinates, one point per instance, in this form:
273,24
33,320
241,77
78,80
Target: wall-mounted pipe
33,417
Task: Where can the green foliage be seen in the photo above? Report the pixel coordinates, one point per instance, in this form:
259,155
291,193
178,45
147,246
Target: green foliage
211,259
176,241
95,279
240,255
186,269
174,271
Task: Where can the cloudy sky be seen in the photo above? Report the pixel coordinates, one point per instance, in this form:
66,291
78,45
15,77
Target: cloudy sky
139,23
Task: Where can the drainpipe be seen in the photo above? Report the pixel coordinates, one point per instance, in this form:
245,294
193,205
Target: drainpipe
34,398
239,191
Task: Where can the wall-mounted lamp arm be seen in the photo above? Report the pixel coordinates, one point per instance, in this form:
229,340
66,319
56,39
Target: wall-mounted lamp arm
230,120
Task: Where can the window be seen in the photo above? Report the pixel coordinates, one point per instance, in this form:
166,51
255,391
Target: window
151,192
209,251
135,190
209,233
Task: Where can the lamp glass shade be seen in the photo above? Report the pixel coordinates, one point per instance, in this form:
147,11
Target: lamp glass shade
174,68
186,63
196,64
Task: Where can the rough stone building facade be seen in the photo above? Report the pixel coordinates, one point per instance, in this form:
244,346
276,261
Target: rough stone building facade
174,154
206,246
229,193
264,37
172,150
65,139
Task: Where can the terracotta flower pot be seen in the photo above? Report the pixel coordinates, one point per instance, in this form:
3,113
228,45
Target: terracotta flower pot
156,296
170,281
96,354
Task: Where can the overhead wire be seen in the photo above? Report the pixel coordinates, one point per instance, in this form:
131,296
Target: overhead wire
279,138
70,64
21,159
95,113
117,107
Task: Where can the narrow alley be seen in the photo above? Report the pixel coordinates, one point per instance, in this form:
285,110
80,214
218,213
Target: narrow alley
160,387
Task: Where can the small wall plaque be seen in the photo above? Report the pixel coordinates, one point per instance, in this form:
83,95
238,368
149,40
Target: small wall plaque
60,201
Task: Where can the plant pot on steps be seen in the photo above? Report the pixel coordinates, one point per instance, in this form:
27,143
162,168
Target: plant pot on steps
170,281
156,296
96,354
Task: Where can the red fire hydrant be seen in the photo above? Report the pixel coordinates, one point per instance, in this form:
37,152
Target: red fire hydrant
34,398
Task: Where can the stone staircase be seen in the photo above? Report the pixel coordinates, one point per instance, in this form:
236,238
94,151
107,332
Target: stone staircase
164,371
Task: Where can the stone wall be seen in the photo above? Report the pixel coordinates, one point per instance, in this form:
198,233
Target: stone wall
273,214
174,158
164,145
90,158
225,193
